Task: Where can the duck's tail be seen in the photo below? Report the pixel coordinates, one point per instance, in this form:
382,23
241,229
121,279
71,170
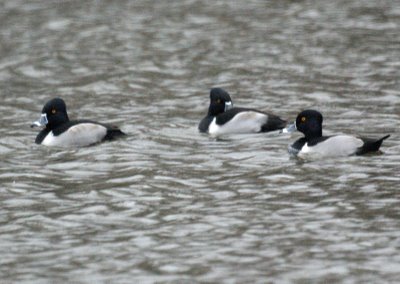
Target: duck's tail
371,145
113,133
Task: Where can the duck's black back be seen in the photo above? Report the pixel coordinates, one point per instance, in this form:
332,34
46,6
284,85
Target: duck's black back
370,145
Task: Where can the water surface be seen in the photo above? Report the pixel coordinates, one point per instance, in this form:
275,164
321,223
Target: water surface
168,204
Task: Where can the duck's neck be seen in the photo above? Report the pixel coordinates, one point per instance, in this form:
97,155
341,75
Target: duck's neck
57,121
313,135
213,110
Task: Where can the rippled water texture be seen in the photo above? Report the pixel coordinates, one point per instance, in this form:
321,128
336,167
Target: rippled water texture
168,204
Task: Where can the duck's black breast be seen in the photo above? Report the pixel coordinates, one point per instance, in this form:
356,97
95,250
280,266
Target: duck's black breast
205,123
296,147
42,134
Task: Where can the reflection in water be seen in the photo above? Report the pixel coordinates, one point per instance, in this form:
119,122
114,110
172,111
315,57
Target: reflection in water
169,203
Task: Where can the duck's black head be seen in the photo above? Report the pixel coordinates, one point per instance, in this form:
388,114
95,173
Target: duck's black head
220,101
54,113
309,122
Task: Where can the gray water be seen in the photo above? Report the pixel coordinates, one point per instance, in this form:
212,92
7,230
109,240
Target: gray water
168,204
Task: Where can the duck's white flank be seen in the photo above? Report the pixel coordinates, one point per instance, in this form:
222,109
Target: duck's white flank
243,122
336,146
82,134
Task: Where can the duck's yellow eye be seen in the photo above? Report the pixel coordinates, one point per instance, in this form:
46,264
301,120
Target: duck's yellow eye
218,101
53,111
303,119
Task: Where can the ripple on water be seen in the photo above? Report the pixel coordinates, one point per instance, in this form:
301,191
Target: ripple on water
167,204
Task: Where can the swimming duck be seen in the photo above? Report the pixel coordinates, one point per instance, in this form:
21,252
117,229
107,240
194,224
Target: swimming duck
222,118
315,145
60,131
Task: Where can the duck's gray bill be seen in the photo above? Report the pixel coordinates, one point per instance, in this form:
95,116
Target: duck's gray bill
41,122
228,105
289,128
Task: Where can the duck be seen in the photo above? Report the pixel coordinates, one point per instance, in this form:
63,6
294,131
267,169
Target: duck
60,131
222,118
314,145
